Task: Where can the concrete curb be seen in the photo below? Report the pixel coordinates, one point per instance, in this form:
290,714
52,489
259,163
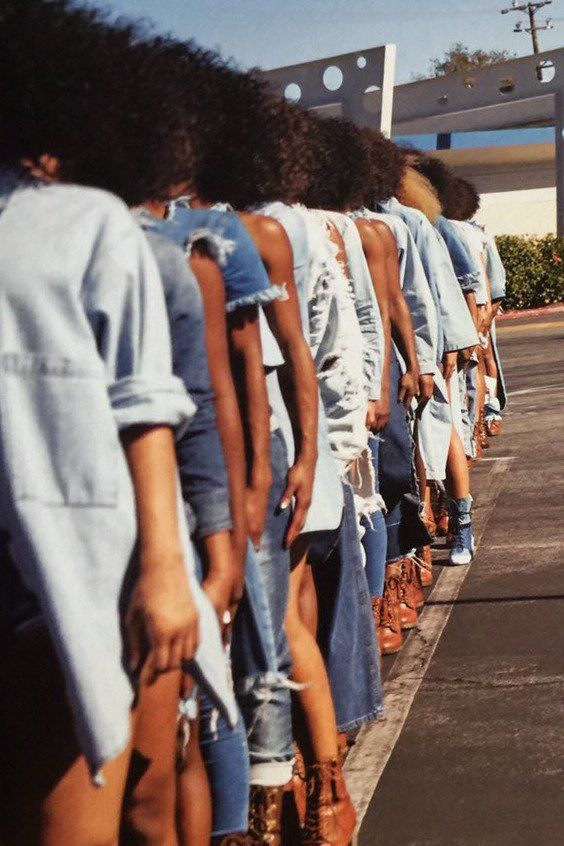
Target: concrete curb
530,312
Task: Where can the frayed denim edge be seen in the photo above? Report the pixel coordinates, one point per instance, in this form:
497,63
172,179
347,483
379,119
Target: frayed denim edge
268,295
362,721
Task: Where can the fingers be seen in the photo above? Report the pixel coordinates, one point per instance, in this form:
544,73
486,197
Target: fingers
287,496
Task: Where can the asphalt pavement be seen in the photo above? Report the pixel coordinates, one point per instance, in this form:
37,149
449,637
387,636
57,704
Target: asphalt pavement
471,752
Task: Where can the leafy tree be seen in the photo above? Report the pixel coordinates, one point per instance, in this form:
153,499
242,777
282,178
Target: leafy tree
460,58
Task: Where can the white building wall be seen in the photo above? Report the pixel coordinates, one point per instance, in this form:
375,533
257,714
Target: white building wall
524,212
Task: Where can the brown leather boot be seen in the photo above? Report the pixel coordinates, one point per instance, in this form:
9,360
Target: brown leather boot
425,565
390,638
493,428
442,521
408,600
299,784
330,815
483,432
234,840
415,585
265,816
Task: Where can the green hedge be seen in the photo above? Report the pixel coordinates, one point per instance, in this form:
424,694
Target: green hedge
535,270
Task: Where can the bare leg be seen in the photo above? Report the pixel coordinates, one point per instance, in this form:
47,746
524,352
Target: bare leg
48,798
150,801
458,475
308,602
193,810
315,700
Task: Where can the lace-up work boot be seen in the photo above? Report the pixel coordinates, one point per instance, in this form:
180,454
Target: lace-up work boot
390,638
416,585
493,427
330,815
425,564
299,784
408,600
265,816
462,547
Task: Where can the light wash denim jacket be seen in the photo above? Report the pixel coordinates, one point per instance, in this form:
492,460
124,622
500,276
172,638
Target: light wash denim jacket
327,501
415,289
495,270
475,241
465,267
456,327
365,302
84,354
336,342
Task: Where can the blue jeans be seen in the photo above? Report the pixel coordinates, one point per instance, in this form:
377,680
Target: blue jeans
346,633
374,539
263,692
398,483
226,758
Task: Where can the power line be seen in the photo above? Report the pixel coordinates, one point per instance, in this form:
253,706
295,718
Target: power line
533,28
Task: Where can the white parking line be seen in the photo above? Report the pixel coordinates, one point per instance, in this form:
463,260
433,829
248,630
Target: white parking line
375,743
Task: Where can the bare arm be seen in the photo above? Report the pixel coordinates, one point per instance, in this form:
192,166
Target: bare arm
248,373
161,616
228,420
298,380
376,259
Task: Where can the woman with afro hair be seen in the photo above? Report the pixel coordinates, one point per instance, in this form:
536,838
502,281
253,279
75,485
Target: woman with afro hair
86,369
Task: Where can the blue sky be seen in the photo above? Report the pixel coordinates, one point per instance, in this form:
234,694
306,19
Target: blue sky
270,33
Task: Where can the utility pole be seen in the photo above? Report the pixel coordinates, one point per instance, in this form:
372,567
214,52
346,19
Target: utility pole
533,28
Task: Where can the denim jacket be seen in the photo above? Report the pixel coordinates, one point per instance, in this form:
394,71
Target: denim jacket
495,270
365,301
201,462
337,344
327,500
456,327
465,267
84,354
415,289
475,241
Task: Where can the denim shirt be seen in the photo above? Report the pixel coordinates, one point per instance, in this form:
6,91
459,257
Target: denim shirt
467,272
366,303
336,342
415,289
495,270
201,461
475,241
327,500
84,354
456,327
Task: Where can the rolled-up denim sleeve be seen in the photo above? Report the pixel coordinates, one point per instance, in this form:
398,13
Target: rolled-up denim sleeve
457,325
124,302
465,267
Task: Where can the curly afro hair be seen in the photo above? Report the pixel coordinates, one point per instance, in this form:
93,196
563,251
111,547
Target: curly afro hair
249,143
437,172
461,200
339,165
103,98
388,163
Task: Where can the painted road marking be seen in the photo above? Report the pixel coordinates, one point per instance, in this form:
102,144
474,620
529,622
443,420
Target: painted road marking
375,743
522,327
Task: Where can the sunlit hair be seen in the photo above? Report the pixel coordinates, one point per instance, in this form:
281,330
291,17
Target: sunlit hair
387,167
101,97
340,166
417,192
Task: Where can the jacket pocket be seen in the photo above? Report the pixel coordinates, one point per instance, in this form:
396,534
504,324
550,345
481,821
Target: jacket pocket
61,443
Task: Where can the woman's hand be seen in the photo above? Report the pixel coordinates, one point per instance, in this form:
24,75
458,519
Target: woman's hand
299,488
408,388
448,365
378,413
162,624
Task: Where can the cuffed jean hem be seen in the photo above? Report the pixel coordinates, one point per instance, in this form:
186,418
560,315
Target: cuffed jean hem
272,773
361,721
